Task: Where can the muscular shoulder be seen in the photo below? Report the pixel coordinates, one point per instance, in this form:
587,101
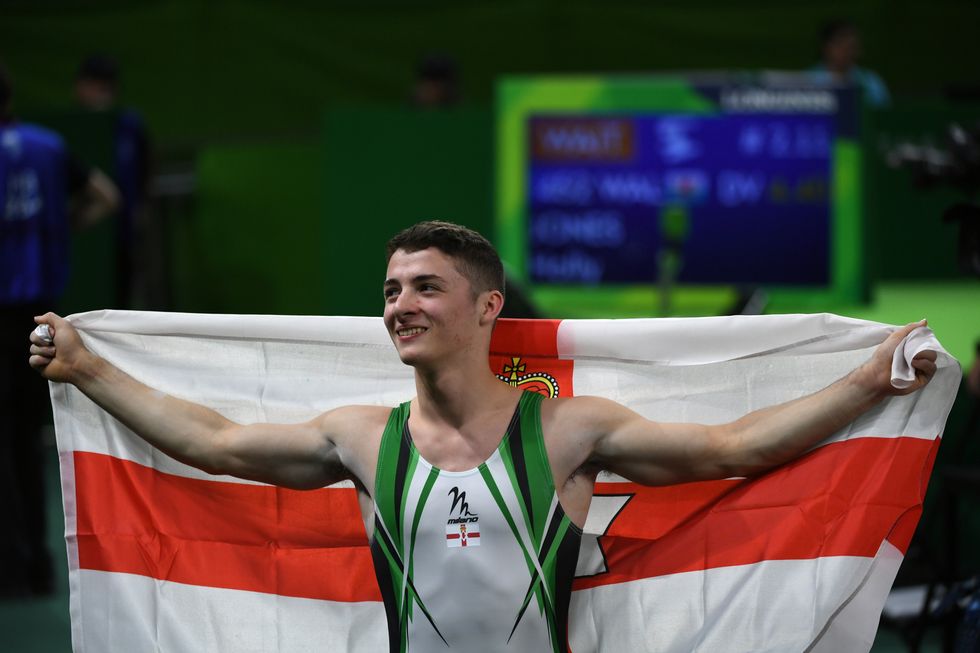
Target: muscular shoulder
356,433
582,417
353,421
573,426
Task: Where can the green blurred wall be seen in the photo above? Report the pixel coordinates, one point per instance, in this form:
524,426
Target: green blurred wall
300,228
211,70
385,170
290,203
253,241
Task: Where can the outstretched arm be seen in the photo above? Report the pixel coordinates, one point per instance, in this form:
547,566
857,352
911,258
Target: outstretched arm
293,455
656,454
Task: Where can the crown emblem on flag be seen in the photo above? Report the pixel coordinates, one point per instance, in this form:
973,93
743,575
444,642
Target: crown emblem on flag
540,382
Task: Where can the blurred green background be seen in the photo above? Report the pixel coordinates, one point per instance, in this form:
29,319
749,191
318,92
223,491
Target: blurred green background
208,71
294,122
286,149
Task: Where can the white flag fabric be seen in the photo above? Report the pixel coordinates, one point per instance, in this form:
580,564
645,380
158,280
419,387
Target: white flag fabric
164,557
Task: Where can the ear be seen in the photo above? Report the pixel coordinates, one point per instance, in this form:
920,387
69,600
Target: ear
491,303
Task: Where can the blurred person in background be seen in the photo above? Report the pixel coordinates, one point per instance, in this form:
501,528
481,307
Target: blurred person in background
97,90
436,83
43,191
840,51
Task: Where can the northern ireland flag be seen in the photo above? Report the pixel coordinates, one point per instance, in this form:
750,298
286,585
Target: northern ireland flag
164,557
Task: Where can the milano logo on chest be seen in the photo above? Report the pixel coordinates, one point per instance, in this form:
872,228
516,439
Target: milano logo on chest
462,526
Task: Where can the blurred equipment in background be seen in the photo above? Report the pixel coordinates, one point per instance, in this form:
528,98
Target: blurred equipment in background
97,89
43,192
949,599
956,165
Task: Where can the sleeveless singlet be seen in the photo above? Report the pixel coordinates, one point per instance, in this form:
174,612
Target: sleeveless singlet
478,560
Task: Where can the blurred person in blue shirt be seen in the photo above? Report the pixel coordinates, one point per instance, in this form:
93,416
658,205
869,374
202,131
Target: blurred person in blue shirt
44,192
840,50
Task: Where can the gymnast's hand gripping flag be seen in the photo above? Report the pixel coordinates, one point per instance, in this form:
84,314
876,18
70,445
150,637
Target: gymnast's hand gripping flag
164,557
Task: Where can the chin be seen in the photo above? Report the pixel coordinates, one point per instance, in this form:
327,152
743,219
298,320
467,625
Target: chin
409,357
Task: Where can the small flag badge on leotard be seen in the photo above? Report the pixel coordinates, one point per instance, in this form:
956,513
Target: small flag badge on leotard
462,525
463,535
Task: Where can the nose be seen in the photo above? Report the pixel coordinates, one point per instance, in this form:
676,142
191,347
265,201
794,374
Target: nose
404,303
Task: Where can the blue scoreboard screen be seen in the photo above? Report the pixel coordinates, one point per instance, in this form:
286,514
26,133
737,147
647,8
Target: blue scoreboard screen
748,196
614,190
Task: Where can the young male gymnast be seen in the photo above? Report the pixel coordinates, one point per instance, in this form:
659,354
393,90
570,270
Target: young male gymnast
510,472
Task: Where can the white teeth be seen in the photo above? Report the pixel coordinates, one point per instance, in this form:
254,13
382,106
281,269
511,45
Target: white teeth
410,332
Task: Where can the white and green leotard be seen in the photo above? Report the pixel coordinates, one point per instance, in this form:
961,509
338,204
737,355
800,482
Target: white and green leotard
478,560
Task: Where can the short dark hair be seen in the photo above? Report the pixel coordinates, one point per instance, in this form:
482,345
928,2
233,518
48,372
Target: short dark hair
477,259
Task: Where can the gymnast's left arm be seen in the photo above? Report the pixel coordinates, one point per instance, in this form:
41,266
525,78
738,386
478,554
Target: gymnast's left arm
613,437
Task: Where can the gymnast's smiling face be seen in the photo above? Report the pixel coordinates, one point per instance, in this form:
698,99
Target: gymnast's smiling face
432,312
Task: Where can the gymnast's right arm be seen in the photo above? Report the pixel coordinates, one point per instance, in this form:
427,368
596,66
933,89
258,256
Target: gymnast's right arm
300,456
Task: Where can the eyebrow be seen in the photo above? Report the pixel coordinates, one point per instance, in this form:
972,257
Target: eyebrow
417,279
